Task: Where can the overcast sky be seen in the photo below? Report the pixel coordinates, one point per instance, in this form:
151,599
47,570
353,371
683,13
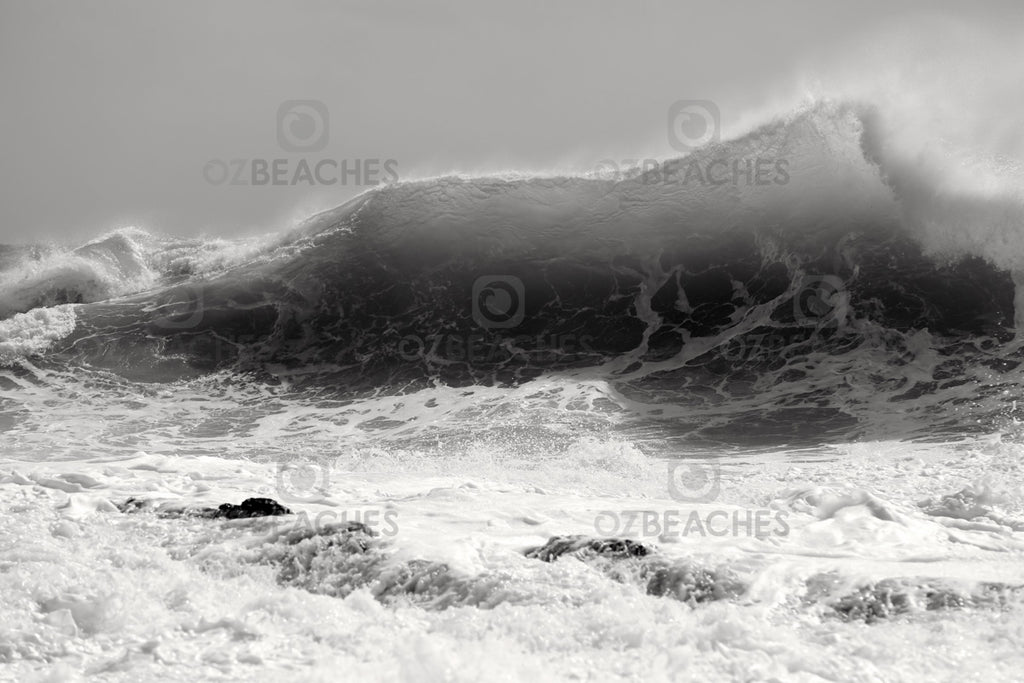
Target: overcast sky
112,110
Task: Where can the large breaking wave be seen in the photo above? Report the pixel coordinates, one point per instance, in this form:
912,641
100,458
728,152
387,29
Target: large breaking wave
817,302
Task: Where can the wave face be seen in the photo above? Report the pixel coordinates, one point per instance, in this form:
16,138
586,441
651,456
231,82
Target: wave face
825,298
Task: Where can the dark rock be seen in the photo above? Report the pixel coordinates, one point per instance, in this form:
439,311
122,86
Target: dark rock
132,505
585,546
250,507
631,562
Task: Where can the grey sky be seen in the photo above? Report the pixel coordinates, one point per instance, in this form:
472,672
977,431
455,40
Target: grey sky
111,109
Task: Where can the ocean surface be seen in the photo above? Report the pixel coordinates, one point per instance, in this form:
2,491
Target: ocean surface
785,368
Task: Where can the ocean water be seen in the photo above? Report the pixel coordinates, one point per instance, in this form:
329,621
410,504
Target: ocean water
629,426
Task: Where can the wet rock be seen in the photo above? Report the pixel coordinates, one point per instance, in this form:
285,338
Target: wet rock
585,546
132,505
630,562
250,507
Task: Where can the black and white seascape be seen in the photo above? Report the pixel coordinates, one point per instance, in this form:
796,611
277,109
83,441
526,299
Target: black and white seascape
511,342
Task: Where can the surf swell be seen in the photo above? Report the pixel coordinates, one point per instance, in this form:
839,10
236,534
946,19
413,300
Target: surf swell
825,298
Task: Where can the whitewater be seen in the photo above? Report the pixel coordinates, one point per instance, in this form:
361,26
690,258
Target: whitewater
586,426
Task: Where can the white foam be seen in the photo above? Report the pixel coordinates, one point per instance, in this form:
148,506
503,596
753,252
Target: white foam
35,331
90,589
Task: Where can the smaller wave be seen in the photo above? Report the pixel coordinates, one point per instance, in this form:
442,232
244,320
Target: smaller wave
119,263
112,265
